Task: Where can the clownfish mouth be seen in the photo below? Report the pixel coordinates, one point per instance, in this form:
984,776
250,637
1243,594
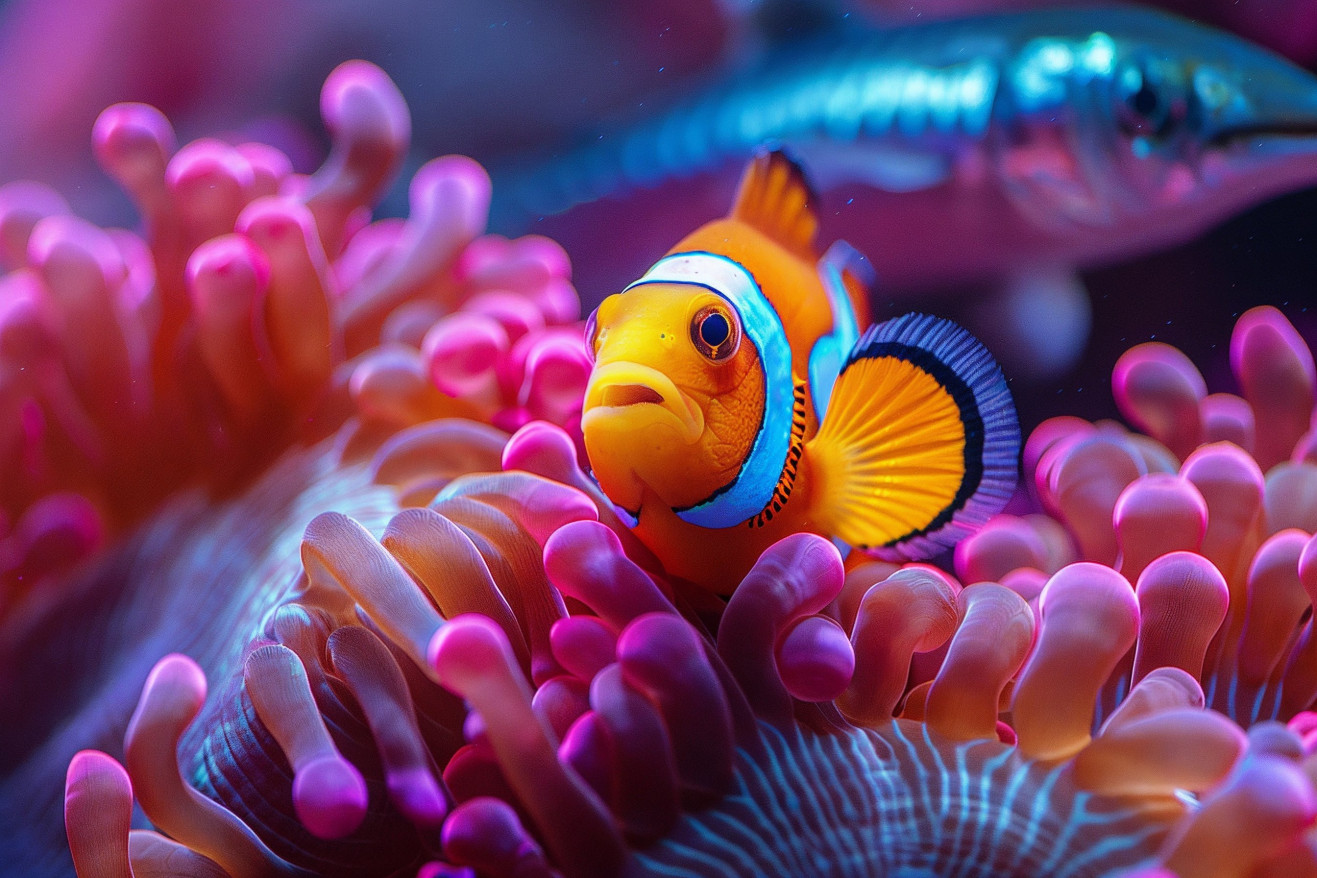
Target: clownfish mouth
631,396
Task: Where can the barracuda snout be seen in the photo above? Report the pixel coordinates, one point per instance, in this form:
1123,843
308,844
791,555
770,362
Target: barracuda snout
1264,108
1137,114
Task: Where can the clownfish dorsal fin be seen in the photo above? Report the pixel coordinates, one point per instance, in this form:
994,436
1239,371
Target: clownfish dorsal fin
920,442
775,199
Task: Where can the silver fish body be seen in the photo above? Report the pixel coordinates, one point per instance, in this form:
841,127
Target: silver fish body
958,149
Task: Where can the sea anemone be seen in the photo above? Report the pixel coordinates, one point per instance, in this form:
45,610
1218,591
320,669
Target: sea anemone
269,449
622,737
196,396
1208,512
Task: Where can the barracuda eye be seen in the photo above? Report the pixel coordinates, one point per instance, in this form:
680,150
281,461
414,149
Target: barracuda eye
715,332
1146,104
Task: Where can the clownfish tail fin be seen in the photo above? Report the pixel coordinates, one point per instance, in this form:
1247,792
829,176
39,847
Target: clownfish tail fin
775,199
920,443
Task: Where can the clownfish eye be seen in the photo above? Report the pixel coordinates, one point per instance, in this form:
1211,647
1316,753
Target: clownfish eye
715,332
592,334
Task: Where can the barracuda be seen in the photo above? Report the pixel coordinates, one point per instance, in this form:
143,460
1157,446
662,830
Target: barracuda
962,149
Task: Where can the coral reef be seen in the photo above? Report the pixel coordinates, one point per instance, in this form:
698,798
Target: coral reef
375,634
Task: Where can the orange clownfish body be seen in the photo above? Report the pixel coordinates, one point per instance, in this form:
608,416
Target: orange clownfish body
734,401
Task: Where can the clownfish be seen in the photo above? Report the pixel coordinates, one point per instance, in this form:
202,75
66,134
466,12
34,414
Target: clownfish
733,400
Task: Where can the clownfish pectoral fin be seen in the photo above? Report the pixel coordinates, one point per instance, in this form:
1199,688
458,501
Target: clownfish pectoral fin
920,442
775,199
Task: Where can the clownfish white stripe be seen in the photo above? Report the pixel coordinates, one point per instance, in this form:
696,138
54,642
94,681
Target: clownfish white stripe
752,489
828,353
